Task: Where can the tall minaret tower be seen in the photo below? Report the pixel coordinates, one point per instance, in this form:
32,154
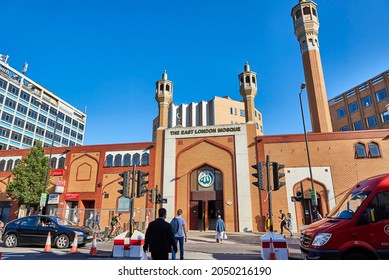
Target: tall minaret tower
248,90
306,29
164,96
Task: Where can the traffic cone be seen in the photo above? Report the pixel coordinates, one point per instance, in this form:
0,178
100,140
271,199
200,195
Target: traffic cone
93,249
48,243
74,244
272,254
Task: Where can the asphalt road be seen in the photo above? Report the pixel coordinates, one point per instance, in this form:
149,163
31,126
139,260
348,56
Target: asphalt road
200,246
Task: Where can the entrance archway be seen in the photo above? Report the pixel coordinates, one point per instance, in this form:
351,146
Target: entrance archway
206,198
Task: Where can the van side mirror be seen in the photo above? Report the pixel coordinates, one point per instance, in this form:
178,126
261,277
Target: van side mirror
371,215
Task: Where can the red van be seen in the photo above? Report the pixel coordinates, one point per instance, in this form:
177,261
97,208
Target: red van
357,228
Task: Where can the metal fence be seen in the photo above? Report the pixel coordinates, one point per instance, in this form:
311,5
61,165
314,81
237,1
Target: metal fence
99,219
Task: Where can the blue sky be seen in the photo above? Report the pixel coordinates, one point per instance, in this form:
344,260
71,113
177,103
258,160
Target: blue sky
107,56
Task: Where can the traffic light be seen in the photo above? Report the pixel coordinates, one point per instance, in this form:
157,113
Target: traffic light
277,175
140,187
125,191
298,197
158,198
152,196
259,174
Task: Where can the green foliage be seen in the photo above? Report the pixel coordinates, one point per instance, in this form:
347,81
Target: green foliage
29,177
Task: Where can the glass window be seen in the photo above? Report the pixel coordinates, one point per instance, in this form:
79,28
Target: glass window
353,107
374,150
22,109
380,204
71,143
381,95
61,115
136,159
68,119
61,162
2,165
32,114
385,117
345,128
108,160
19,122
24,95
14,90
81,126
10,103
66,130
127,160
16,136
4,132
40,131
45,107
341,112
9,165
65,141
145,159
366,101
75,123
7,117
59,127
73,134
358,125
360,151
30,127
242,113
53,111
53,163
27,140
49,135
3,84
79,136
42,119
371,121
118,160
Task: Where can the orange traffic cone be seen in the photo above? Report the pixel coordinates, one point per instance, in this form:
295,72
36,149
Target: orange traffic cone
93,249
74,244
48,243
272,254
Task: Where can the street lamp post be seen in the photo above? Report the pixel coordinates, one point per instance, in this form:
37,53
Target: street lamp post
314,202
50,155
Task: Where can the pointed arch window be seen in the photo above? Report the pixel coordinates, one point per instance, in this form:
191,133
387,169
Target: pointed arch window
247,79
161,87
61,163
2,165
53,163
136,159
374,150
253,80
17,162
360,150
145,159
167,87
108,161
307,11
118,160
127,160
9,165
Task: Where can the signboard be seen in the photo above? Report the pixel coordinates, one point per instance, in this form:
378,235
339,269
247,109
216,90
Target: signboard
60,182
206,178
42,202
72,196
57,172
53,198
123,204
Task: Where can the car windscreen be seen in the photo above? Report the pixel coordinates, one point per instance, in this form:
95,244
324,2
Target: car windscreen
349,205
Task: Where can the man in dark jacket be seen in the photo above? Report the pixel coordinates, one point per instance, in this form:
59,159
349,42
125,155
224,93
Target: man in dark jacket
159,238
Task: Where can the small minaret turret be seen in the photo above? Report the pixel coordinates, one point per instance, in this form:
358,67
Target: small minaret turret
248,90
164,96
306,29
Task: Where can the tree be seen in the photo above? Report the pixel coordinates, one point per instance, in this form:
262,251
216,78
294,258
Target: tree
29,177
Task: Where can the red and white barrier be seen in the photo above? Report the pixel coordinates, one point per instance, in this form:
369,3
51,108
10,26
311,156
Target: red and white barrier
118,245
274,246
136,245
129,247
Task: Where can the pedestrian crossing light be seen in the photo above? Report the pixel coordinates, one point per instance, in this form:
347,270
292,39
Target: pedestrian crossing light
125,191
277,175
259,175
142,182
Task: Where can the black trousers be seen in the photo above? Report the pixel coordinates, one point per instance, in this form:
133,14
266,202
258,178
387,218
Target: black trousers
160,255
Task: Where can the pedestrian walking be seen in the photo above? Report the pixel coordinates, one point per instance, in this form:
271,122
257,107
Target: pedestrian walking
159,238
220,229
97,223
115,223
289,223
179,230
282,218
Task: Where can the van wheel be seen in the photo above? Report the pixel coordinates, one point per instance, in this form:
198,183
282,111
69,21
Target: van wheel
356,256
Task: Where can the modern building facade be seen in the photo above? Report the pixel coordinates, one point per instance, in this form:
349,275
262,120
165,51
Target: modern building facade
30,113
363,107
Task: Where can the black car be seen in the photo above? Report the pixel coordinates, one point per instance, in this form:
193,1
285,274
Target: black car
34,230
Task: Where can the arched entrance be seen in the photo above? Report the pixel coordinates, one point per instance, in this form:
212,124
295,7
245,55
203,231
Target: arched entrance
206,198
